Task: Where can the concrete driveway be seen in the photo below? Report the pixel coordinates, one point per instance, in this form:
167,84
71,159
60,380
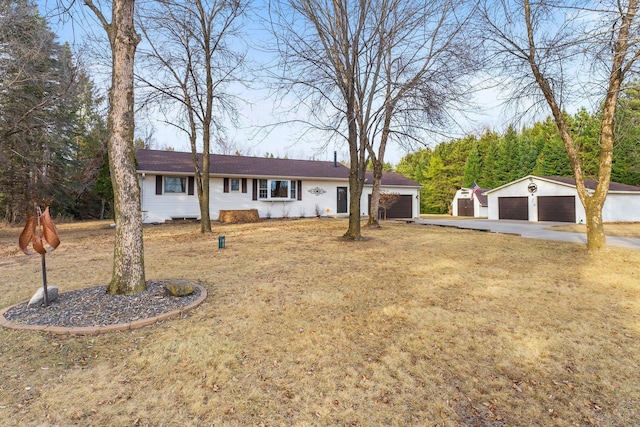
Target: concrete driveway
532,230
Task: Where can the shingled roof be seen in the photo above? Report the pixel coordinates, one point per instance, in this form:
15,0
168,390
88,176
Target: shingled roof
391,179
177,162
592,183
157,161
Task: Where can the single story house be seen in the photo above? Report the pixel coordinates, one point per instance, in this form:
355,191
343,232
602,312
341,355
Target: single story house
277,188
467,202
550,198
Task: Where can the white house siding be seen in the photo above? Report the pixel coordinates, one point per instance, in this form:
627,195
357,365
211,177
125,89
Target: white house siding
621,207
403,191
159,208
322,201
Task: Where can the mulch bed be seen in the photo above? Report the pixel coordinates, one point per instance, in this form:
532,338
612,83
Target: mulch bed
94,307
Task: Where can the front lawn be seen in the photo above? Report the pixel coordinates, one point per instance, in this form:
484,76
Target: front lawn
417,325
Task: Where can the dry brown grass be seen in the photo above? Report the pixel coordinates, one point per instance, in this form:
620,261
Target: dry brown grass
619,229
416,326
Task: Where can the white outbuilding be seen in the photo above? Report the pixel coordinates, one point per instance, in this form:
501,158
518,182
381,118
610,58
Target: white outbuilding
470,202
547,198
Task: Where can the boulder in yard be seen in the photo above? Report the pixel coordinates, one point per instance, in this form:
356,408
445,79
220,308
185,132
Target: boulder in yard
38,297
179,288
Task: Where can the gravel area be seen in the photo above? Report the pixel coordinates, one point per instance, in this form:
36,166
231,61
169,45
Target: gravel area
94,307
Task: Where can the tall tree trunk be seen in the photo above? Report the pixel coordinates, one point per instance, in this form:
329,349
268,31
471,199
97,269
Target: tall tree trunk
596,239
205,213
128,261
374,220
356,173
355,193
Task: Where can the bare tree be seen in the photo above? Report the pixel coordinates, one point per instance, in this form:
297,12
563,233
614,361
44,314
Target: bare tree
544,47
188,63
419,64
372,71
388,199
128,263
322,44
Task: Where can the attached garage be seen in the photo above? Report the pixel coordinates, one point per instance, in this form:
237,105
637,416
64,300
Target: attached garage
401,208
557,208
465,207
406,206
513,208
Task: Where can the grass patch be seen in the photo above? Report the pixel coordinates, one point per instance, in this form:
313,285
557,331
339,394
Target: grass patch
618,229
417,325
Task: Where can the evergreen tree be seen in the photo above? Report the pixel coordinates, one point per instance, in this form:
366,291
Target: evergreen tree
472,168
39,102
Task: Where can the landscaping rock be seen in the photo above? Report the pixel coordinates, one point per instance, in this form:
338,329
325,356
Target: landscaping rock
179,288
38,297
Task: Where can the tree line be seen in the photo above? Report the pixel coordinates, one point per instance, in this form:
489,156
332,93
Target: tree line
52,131
492,159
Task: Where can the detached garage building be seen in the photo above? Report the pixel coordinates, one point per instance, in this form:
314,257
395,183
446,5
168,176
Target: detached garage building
546,198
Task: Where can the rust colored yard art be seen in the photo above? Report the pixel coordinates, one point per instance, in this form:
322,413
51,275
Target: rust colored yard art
41,233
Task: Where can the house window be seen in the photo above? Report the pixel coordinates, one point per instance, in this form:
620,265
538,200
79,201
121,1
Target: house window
263,189
279,189
235,184
174,184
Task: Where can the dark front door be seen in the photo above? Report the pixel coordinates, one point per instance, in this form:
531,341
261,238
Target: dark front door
342,200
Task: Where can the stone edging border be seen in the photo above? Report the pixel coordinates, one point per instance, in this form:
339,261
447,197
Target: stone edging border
97,330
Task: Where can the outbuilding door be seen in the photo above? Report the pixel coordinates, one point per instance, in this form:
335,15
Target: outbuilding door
557,208
513,208
465,207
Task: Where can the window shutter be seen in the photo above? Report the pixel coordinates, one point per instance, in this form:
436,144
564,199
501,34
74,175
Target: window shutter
158,184
226,185
255,189
244,185
299,190
190,186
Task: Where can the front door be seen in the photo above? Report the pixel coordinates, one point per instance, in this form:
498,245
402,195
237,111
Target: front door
342,200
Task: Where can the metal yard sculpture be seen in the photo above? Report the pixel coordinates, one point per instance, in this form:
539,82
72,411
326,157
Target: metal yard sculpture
43,236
